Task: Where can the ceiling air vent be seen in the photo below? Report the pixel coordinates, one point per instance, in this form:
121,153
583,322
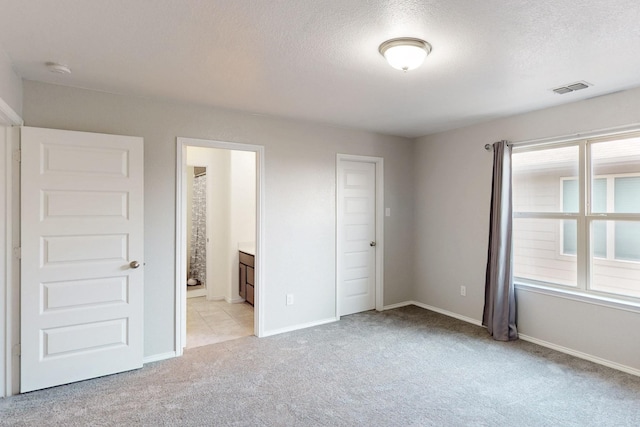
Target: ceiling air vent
571,87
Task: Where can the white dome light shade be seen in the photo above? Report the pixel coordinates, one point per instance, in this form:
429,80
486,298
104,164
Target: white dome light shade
405,53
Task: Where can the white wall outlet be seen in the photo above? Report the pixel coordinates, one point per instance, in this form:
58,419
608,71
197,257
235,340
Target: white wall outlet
289,299
387,212
463,291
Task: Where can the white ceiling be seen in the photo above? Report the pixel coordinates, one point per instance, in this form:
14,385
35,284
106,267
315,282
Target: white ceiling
318,59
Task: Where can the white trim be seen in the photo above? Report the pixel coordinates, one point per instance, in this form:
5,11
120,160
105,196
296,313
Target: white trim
600,133
180,321
8,375
584,217
398,305
11,287
448,313
180,309
379,163
608,216
8,116
574,295
434,309
159,357
5,249
581,355
301,326
543,343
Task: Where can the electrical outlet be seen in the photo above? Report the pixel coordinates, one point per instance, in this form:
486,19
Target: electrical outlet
289,299
463,291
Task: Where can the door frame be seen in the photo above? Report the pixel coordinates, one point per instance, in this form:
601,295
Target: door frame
379,214
181,249
10,123
4,249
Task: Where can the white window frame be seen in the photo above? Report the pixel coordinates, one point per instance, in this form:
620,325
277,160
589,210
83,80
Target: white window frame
583,217
611,238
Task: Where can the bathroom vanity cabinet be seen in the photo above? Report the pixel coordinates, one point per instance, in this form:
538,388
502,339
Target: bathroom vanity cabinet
247,264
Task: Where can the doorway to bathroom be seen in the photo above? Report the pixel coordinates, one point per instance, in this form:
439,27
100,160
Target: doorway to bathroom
218,221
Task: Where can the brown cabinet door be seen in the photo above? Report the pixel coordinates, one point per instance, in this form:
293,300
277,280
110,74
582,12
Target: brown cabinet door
250,276
243,281
247,259
250,294
246,277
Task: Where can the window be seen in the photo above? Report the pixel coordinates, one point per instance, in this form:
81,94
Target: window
577,215
622,198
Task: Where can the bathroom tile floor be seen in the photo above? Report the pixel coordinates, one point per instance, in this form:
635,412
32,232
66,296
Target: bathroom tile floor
210,322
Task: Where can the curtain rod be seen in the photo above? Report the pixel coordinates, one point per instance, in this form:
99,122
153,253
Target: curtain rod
489,147
572,136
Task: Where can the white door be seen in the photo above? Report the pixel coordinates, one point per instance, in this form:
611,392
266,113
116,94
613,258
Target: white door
82,240
356,236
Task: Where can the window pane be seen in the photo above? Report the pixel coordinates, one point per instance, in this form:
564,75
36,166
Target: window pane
569,237
627,244
618,157
536,178
570,195
599,238
627,195
599,196
536,251
620,275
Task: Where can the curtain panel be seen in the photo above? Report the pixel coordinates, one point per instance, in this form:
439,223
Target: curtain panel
500,301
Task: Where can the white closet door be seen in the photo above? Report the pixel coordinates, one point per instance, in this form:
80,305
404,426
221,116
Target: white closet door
82,256
357,236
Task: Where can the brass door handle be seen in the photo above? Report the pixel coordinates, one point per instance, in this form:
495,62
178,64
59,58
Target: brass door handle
134,264
372,243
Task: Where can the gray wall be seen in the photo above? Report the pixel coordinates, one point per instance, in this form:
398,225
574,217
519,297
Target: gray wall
10,85
300,196
438,191
453,181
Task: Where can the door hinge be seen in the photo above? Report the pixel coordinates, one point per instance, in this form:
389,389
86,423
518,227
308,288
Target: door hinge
17,252
17,155
17,350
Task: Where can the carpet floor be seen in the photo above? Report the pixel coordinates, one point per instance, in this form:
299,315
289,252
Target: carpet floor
402,367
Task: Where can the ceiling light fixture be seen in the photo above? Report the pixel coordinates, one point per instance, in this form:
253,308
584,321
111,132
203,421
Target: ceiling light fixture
405,53
55,67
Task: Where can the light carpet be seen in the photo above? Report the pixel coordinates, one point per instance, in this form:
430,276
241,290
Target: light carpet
402,367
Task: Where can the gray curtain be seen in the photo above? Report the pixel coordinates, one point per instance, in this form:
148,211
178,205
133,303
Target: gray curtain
499,298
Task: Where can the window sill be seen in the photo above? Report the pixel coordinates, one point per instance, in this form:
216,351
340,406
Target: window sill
614,303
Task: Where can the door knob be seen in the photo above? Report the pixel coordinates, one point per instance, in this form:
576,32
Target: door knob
372,243
134,264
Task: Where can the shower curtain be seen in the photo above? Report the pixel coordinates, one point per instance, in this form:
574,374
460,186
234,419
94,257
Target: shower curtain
198,259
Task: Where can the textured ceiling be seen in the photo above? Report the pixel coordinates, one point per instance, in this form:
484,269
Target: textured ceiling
318,60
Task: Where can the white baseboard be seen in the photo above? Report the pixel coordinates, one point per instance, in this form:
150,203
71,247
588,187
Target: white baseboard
543,343
436,309
398,305
236,300
158,357
297,327
581,355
